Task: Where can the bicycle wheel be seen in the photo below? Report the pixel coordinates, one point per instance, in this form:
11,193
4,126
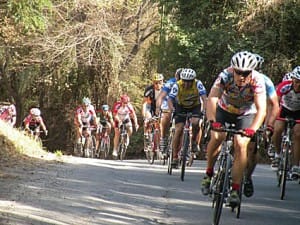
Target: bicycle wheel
221,191
106,147
148,147
170,154
184,154
238,208
123,148
285,158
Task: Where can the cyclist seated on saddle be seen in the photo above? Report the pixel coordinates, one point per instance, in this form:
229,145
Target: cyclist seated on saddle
149,102
123,113
188,93
8,113
289,95
162,107
34,121
85,116
238,96
105,118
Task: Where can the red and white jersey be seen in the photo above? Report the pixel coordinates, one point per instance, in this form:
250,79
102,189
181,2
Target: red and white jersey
123,112
33,121
288,97
85,116
8,112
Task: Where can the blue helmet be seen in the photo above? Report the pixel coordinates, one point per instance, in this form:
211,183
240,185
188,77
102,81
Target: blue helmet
105,107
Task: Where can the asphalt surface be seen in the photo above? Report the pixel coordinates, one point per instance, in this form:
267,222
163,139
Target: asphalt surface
91,191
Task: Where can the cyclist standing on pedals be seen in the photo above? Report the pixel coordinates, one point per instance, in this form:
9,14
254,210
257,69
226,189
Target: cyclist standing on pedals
149,103
289,95
187,93
8,113
85,116
34,121
238,96
272,112
123,113
104,119
163,108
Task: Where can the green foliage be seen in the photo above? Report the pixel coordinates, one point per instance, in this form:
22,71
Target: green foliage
205,34
30,13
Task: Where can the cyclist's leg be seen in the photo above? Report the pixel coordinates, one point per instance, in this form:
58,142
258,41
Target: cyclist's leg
296,149
116,140
251,164
276,140
129,131
164,127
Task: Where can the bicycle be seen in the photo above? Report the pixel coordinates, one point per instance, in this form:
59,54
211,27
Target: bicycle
123,141
221,181
86,147
185,153
104,145
284,168
169,146
151,143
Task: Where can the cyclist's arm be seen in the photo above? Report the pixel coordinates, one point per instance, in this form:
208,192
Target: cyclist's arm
261,107
146,103
159,100
204,102
272,110
211,104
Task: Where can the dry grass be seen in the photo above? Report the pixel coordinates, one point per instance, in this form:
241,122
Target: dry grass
18,148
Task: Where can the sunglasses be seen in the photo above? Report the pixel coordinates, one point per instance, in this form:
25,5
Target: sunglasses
158,82
242,73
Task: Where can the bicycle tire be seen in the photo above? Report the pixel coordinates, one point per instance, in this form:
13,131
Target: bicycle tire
218,198
238,208
123,148
184,154
224,187
284,170
170,154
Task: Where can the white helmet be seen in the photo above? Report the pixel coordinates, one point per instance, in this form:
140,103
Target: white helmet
86,101
188,74
35,112
296,72
260,61
287,76
244,61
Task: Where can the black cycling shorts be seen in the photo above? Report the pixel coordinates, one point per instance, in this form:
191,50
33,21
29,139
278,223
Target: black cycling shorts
240,121
284,112
196,111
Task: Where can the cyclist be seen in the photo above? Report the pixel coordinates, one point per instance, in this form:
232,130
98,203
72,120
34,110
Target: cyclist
123,113
188,91
8,113
272,112
238,96
104,119
163,108
289,95
149,103
34,121
85,116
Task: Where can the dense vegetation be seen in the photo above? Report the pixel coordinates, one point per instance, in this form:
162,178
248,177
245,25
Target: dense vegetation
52,53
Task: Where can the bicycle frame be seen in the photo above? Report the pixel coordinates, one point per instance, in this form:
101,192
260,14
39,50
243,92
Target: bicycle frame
284,168
104,143
186,144
169,147
152,146
123,141
221,181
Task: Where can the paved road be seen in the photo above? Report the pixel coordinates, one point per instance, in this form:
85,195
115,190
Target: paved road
90,191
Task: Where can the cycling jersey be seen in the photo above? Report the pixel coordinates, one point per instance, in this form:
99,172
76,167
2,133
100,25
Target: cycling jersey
152,93
167,88
288,97
187,98
8,113
85,116
123,112
104,116
270,88
32,121
239,100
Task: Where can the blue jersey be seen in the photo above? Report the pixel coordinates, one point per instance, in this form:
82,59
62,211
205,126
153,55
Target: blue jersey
167,88
270,88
